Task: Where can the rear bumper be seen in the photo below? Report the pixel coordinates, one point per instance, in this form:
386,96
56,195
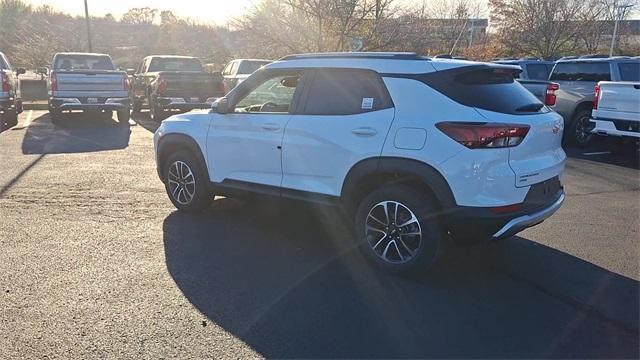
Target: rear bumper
109,104
472,224
620,128
178,103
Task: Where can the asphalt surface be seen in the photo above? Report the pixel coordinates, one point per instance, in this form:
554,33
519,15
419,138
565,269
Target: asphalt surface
95,263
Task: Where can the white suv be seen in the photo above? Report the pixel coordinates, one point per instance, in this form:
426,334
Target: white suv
415,150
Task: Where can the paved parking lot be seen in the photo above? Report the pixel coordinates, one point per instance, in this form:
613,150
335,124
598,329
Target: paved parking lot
95,263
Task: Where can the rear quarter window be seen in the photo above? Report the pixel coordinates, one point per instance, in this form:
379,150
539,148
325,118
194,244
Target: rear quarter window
346,92
485,87
629,71
581,71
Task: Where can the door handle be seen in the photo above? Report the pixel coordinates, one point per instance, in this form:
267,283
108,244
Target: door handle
364,131
270,127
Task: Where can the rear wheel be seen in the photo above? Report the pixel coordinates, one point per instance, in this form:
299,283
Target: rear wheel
157,113
579,132
186,182
9,119
399,229
124,116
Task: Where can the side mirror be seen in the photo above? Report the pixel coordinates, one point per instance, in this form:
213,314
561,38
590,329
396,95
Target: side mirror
42,71
131,72
20,71
220,106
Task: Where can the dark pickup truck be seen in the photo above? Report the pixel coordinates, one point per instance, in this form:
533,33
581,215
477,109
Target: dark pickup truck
178,83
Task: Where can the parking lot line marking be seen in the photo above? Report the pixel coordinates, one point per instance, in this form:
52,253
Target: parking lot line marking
597,153
26,122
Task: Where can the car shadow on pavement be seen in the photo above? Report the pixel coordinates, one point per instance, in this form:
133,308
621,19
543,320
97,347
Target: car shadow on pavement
629,157
285,279
74,133
143,119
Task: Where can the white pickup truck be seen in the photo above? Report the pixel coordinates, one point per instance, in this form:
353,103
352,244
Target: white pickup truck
90,83
616,111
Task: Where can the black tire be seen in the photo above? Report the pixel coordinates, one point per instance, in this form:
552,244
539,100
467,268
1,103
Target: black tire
136,107
9,119
56,115
201,197
412,253
156,112
578,133
124,116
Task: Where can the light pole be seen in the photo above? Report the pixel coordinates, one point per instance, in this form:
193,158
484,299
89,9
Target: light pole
86,15
616,12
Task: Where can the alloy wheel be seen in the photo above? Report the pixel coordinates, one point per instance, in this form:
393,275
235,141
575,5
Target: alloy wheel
393,232
182,182
583,130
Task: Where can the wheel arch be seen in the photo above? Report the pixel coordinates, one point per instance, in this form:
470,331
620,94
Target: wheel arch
368,174
171,143
584,105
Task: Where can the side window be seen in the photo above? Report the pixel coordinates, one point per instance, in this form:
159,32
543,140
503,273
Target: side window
273,95
234,67
629,71
346,92
537,72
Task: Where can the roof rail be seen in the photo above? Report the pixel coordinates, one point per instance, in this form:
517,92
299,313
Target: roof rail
358,55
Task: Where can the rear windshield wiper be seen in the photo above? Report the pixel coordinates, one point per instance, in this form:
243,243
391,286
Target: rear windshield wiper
530,108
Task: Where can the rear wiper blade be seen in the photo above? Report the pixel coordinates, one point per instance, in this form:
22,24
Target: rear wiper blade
530,108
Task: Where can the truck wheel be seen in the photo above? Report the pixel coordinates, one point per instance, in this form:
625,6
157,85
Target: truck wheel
9,119
56,115
123,117
186,182
399,230
579,132
136,107
157,113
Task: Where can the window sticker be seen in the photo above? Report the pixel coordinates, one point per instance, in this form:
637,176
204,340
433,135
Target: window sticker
367,103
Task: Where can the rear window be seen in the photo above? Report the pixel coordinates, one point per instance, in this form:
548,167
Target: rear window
346,92
629,71
83,62
485,88
248,67
581,71
538,71
175,64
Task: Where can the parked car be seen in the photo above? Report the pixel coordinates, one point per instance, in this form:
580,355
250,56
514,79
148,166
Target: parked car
10,100
577,79
87,82
616,111
413,149
534,77
165,83
236,71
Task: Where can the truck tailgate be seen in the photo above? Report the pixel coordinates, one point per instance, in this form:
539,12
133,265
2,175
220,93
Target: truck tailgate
90,81
619,97
193,84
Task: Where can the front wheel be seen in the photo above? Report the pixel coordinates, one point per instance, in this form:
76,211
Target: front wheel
399,229
186,182
579,132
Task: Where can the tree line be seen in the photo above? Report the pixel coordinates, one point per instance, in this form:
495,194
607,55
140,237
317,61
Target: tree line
273,28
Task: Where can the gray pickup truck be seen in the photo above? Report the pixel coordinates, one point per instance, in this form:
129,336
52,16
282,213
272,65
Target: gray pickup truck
577,79
89,83
534,77
10,101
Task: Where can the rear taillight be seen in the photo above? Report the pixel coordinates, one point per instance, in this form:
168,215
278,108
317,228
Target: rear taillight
596,97
484,135
162,85
126,83
6,86
550,96
54,82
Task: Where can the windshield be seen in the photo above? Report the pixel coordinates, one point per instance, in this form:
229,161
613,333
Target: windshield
83,62
581,71
248,67
175,64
